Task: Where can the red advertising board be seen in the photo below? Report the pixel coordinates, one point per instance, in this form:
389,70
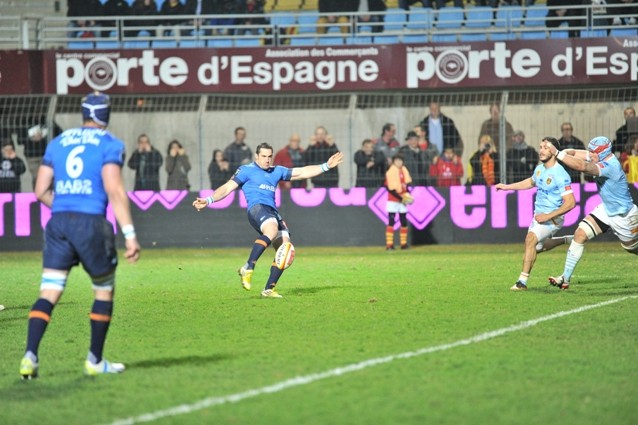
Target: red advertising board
521,63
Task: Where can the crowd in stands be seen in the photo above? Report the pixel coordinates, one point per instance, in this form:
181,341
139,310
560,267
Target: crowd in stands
240,17
431,151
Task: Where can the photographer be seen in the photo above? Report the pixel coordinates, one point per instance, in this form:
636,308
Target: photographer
11,168
146,161
484,164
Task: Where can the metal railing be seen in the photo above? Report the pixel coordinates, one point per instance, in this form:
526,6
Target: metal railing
306,28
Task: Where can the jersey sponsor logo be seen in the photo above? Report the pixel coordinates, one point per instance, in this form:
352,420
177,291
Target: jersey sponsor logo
548,181
74,187
267,187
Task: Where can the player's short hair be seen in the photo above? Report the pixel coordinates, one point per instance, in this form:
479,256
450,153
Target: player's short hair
96,107
553,141
263,146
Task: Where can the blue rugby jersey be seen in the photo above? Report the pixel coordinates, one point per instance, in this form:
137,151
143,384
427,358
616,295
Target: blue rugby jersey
77,157
259,185
613,187
551,185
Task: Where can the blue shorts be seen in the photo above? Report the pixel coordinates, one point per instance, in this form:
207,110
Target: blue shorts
260,213
71,238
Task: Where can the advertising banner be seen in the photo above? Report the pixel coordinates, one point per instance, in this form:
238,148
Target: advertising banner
344,68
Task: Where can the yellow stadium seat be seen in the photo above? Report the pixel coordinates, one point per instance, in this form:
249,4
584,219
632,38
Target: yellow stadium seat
287,5
310,5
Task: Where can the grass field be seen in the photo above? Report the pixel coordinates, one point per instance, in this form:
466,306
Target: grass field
191,337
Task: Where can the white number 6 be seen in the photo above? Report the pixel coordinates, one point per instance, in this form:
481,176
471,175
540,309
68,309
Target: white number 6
74,164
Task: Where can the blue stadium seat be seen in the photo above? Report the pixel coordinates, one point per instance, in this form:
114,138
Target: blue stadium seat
414,38
136,44
473,37
79,45
535,16
395,20
508,20
533,35
303,41
330,41
450,18
478,17
220,42
192,43
107,45
281,19
359,39
593,33
248,42
623,32
386,39
419,19
502,36
164,44
444,38
307,22
558,34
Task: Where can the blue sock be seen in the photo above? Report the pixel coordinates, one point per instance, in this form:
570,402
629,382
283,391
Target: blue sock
261,243
39,318
275,274
100,321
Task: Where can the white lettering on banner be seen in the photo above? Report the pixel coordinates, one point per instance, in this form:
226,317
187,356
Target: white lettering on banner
453,64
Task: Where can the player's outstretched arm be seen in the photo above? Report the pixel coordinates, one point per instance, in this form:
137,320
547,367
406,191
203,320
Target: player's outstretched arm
310,171
219,194
522,185
114,187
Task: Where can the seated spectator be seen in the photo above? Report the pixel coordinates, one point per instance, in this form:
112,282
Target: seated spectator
436,4
11,168
557,14
84,28
337,11
177,167
291,156
376,18
522,159
569,141
371,165
387,144
414,160
224,7
447,169
218,169
492,127
114,8
626,12
173,9
629,160
484,163
250,8
144,8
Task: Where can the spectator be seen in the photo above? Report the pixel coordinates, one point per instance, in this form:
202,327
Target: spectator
84,28
414,160
34,146
146,161
492,127
319,153
625,12
335,12
441,130
559,12
436,4
144,8
484,164
371,165
622,134
11,168
172,9
250,8
447,169
177,167
376,18
522,159
238,153
629,160
218,170
113,8
387,144
291,156
202,7
568,141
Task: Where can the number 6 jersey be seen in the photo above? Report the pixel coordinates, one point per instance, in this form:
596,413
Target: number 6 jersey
77,157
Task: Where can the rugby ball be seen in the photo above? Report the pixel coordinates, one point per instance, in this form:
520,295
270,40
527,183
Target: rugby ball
284,256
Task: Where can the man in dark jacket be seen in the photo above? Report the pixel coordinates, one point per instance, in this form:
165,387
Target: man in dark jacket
11,168
146,161
320,149
441,130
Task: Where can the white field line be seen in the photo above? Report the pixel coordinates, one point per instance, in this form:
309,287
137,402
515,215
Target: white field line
309,379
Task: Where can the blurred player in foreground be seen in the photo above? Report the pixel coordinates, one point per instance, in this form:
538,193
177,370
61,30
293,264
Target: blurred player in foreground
554,198
258,180
79,175
616,212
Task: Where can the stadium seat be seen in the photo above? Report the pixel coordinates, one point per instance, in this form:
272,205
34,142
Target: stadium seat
623,32
287,5
478,17
414,38
473,37
444,38
220,42
502,36
419,19
558,34
359,39
386,39
283,19
593,33
136,44
192,43
533,35
307,23
248,42
450,18
107,45
164,44
330,40
535,16
80,45
395,20
508,21
303,41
